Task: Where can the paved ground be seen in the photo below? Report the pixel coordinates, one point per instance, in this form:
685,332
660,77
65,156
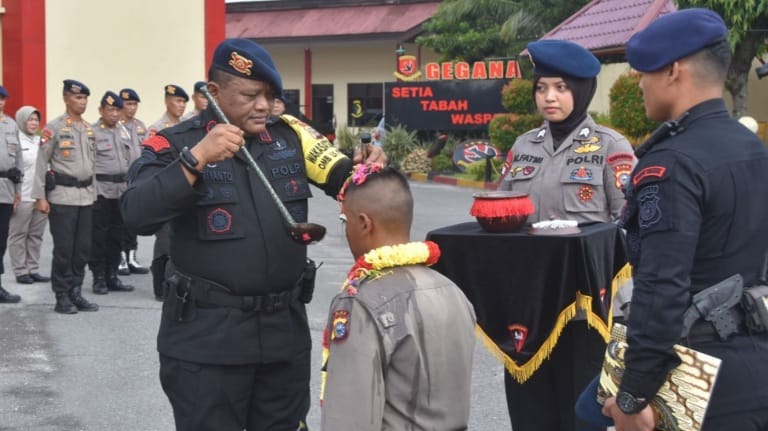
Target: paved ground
98,371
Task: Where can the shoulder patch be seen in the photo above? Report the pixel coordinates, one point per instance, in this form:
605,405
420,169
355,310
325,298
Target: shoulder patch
620,157
340,326
649,172
157,143
45,135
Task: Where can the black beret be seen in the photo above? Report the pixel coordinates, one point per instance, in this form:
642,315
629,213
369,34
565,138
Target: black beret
175,90
247,59
674,36
128,94
199,86
552,57
3,92
76,87
111,99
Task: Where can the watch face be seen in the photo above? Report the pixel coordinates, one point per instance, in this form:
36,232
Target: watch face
626,402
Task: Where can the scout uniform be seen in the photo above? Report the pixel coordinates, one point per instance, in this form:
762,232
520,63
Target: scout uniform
10,178
68,147
113,158
401,353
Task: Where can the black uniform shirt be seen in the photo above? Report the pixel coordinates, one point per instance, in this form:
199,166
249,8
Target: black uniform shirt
226,229
695,215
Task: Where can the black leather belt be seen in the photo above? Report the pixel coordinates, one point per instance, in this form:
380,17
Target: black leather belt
70,181
704,331
3,174
206,292
119,178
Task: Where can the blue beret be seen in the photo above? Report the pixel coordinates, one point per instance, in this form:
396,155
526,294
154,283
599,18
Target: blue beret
199,86
76,87
674,36
247,59
175,90
128,94
111,99
3,92
552,57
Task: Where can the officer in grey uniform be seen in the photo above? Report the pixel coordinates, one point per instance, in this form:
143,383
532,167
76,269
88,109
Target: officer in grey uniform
113,158
10,183
572,169
198,98
400,342
129,263
67,194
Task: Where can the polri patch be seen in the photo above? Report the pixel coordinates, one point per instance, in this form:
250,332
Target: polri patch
518,333
219,220
582,174
649,172
340,326
649,211
621,173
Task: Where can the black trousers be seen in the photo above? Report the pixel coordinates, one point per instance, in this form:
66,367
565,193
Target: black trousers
6,211
205,397
545,402
71,229
108,233
129,241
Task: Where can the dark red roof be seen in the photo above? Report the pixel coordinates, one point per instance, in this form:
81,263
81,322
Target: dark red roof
372,21
605,26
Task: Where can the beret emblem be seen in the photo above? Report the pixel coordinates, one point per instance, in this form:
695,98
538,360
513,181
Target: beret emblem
241,64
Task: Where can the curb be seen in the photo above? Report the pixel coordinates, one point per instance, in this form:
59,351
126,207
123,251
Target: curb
451,181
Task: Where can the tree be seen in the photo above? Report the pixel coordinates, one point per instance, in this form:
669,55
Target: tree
746,21
472,30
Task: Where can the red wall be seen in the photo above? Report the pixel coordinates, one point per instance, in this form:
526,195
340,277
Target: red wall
215,27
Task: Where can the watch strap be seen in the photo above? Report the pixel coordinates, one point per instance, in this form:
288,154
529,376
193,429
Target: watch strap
189,161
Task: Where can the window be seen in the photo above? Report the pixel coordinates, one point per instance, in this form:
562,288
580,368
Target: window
365,104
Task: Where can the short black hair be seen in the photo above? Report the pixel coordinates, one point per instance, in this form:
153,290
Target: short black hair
219,76
393,205
712,61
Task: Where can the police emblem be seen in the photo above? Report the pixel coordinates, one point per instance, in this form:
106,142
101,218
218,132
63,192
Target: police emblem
649,211
582,174
407,68
219,220
518,333
45,136
340,326
240,63
586,193
170,89
621,173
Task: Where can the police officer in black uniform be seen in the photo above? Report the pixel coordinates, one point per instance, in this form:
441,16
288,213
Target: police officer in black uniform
234,340
695,216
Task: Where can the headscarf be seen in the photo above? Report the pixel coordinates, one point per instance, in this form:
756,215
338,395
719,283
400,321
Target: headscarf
22,115
583,90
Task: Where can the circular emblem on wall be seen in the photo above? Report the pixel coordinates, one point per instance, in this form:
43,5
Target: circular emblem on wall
219,220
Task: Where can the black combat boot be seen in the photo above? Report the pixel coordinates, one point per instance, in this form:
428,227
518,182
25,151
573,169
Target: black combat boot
7,297
158,276
64,305
99,283
82,304
114,284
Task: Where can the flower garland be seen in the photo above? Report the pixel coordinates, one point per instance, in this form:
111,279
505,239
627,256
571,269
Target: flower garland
371,266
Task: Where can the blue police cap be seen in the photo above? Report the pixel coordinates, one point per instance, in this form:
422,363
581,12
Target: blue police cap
175,90
552,57
111,99
247,59
674,36
3,92
199,86
128,94
76,87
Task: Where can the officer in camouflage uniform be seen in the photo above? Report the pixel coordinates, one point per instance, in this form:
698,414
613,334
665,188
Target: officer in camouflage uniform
11,167
400,343
113,157
175,102
129,263
67,195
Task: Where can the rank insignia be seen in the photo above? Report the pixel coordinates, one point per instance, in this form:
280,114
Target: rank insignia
586,193
518,333
516,170
528,170
621,173
219,220
542,133
587,147
340,326
582,174
240,63
584,132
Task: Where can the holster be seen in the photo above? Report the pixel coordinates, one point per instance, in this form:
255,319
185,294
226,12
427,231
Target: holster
755,304
14,174
718,305
50,180
180,299
308,281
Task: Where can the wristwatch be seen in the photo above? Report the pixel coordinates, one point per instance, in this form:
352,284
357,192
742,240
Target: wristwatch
629,404
189,161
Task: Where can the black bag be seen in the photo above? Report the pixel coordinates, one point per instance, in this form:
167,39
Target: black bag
755,304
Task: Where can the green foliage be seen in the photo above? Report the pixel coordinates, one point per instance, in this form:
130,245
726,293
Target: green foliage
627,108
602,119
517,97
442,163
416,162
398,143
346,139
476,170
505,128
740,16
